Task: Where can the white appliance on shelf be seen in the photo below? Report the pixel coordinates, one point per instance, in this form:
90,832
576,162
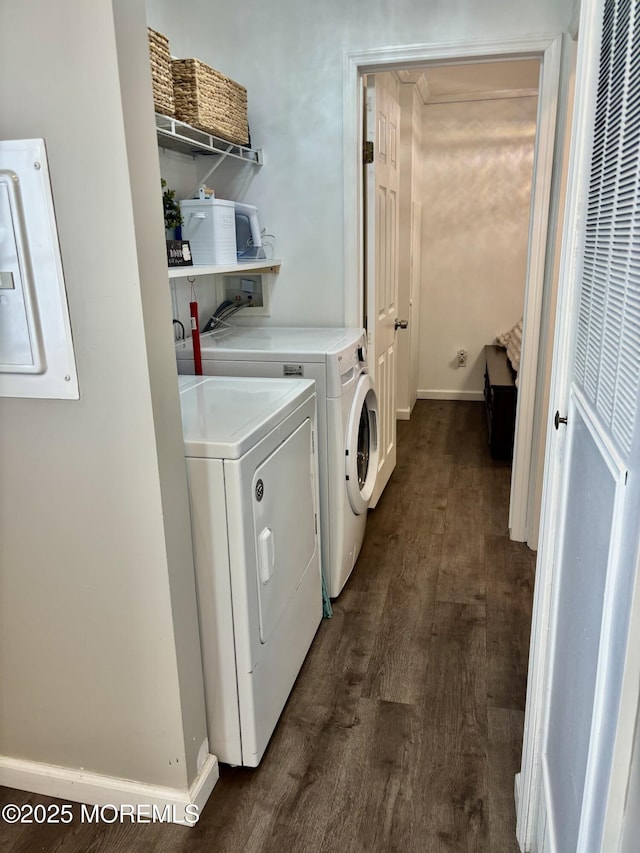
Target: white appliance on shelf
347,418
253,494
248,232
209,224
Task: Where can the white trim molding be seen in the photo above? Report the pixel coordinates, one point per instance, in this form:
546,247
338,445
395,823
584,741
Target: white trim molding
534,291
440,394
94,789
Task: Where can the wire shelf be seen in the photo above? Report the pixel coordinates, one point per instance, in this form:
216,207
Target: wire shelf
178,136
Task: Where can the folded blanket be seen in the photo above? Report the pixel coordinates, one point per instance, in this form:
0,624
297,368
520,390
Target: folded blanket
512,342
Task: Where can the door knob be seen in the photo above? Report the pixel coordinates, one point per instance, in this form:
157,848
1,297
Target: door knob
401,324
558,420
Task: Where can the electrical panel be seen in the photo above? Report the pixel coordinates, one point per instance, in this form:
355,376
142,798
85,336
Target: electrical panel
36,347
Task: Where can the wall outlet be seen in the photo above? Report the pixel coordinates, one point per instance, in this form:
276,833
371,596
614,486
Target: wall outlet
462,357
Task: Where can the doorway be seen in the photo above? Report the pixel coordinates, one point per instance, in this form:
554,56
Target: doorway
472,150
548,53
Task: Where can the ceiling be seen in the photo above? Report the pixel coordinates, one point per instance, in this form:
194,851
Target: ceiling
445,83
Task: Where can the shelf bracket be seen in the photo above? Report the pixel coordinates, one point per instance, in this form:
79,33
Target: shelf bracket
203,180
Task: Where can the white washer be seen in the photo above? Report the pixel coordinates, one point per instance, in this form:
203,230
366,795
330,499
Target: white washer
347,418
253,495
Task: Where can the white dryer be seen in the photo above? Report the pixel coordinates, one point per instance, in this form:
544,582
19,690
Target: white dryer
253,495
347,408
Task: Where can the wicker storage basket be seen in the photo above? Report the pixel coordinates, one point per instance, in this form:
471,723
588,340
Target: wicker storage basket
161,76
206,99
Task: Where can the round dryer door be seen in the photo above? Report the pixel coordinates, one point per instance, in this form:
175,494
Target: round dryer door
362,445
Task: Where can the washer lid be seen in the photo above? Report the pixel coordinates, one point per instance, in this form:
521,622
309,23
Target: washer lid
271,343
223,417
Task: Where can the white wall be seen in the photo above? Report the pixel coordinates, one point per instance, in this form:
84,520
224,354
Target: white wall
289,55
100,667
476,185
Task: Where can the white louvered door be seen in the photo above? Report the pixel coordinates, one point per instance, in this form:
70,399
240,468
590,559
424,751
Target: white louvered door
599,508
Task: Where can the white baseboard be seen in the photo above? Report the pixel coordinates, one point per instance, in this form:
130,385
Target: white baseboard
403,414
430,394
97,790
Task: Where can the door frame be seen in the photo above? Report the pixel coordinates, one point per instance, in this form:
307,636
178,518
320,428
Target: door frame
548,49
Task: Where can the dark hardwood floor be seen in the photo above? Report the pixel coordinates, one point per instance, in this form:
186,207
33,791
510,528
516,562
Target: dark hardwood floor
403,731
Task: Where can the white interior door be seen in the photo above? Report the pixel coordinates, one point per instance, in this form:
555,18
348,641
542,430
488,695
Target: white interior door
595,556
382,128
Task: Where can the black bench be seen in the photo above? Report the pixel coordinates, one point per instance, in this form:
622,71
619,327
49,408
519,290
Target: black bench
500,396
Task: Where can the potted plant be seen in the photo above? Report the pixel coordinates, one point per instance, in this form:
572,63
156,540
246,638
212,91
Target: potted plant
172,216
